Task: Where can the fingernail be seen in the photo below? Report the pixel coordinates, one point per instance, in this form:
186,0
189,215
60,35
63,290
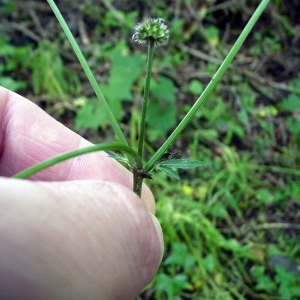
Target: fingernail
159,233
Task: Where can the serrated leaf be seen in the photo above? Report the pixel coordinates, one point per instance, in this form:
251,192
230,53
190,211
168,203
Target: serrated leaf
90,116
180,256
12,84
161,115
182,163
120,158
171,285
164,89
291,103
170,172
123,73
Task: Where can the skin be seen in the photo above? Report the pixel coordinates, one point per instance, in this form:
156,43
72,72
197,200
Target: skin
75,230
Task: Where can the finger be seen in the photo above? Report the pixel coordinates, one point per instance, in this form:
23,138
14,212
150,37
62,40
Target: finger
74,240
28,135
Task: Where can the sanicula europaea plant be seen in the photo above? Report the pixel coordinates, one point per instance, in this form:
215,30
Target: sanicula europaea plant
152,33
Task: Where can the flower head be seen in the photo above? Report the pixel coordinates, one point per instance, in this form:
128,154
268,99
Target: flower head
154,30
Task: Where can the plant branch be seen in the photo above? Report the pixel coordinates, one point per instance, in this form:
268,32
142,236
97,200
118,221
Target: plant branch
88,73
203,97
57,159
145,98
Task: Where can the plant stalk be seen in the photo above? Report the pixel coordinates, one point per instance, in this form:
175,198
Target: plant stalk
141,140
137,172
88,73
203,97
137,181
57,159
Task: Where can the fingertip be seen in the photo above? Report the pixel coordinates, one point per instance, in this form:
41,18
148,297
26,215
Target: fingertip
148,199
159,234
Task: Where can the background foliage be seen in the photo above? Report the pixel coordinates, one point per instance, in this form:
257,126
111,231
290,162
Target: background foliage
232,228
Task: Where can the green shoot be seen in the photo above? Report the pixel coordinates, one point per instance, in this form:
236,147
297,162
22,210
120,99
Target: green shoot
68,155
88,73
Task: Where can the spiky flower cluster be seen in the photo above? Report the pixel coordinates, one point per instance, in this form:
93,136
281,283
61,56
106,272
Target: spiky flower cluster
153,30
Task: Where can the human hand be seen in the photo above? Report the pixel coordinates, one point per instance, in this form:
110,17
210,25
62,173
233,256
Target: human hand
76,230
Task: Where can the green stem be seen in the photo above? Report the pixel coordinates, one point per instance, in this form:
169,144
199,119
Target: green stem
145,99
57,159
137,181
210,87
88,73
138,172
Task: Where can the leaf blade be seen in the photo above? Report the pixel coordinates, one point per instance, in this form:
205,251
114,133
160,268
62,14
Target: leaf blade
182,163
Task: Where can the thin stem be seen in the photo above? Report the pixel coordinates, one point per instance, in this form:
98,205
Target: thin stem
57,159
137,181
138,172
203,97
146,98
88,73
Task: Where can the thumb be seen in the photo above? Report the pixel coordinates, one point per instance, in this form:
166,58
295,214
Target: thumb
75,240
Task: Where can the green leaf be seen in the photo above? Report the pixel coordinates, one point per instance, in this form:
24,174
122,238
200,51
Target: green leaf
171,172
124,71
264,282
171,285
291,103
180,256
161,115
195,87
209,262
293,125
169,166
120,158
113,98
12,84
182,163
164,89
91,115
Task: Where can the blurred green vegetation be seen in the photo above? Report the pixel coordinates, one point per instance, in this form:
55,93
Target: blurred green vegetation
231,229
